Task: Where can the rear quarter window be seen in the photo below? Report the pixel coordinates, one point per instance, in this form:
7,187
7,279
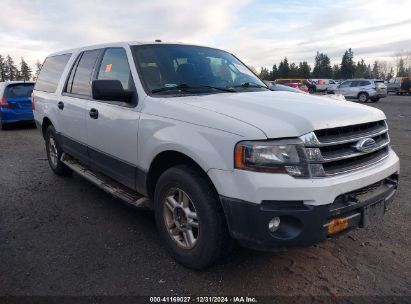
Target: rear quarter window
50,73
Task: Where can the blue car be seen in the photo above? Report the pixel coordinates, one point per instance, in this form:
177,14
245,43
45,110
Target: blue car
15,102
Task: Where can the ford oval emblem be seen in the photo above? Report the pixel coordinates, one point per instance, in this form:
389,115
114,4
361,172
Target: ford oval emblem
365,145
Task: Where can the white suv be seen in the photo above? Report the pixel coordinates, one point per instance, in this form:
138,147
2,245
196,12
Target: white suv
191,132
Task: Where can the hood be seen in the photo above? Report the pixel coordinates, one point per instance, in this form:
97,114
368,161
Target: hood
285,114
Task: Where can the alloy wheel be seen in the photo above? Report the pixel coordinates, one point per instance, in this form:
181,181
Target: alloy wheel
180,217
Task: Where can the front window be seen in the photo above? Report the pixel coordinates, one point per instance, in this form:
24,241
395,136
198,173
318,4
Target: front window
184,69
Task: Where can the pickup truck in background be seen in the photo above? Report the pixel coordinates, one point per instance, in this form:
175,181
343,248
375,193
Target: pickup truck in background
399,85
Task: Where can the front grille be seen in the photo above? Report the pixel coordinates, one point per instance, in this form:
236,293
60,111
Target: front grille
339,151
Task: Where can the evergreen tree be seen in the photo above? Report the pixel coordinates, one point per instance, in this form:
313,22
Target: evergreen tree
274,72
361,70
304,70
25,70
322,67
12,73
264,74
294,72
347,64
3,76
284,69
336,72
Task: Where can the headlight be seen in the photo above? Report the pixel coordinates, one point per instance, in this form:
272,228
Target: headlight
279,156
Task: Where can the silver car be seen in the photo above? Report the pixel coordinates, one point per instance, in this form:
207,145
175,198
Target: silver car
362,89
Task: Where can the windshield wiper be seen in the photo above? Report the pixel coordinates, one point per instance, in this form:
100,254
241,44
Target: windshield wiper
185,86
250,85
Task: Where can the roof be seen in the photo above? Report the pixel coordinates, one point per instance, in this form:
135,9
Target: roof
117,44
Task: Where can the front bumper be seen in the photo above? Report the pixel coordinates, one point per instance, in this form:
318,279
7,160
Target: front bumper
302,224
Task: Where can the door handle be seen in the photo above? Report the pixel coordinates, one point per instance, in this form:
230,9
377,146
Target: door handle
93,113
60,105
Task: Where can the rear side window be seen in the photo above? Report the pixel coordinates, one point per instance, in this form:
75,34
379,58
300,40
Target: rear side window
80,76
355,84
364,83
115,66
23,90
51,72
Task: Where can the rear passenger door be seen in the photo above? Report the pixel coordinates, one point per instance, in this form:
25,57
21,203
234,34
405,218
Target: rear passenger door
74,105
112,132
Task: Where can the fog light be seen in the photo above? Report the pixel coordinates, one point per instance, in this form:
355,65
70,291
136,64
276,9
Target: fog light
273,224
337,225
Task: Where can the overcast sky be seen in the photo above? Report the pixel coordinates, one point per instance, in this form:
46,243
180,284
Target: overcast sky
260,32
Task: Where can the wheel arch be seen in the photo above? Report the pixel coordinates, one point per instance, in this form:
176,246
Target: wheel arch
164,161
361,92
44,125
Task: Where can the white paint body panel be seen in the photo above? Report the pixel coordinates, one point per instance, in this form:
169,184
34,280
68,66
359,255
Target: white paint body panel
206,128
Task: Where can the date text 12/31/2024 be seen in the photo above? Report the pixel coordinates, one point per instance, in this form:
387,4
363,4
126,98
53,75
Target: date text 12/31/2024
203,299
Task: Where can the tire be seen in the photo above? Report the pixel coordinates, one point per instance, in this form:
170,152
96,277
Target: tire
54,153
311,90
191,246
363,97
3,126
375,99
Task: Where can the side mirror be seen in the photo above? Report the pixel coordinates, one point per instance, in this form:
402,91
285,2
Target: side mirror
110,90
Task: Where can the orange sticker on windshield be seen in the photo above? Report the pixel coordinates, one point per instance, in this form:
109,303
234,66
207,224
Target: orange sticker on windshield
108,67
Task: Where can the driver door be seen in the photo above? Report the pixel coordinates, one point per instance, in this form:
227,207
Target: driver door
112,126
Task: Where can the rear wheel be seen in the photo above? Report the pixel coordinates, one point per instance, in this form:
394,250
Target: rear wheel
363,97
375,99
189,217
54,153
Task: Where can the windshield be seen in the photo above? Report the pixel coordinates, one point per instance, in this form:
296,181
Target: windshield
167,69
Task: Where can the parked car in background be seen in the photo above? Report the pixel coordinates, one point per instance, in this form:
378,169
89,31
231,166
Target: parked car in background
311,87
279,87
399,85
323,84
332,85
294,83
362,89
15,102
298,86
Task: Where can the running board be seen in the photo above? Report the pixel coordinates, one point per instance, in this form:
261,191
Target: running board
107,184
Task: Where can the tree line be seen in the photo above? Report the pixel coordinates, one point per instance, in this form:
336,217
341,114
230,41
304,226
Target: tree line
10,71
380,69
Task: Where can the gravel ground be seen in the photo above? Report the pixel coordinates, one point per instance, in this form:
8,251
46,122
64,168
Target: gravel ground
63,236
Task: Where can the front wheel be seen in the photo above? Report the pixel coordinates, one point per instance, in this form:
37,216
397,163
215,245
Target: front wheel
189,217
54,153
363,97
